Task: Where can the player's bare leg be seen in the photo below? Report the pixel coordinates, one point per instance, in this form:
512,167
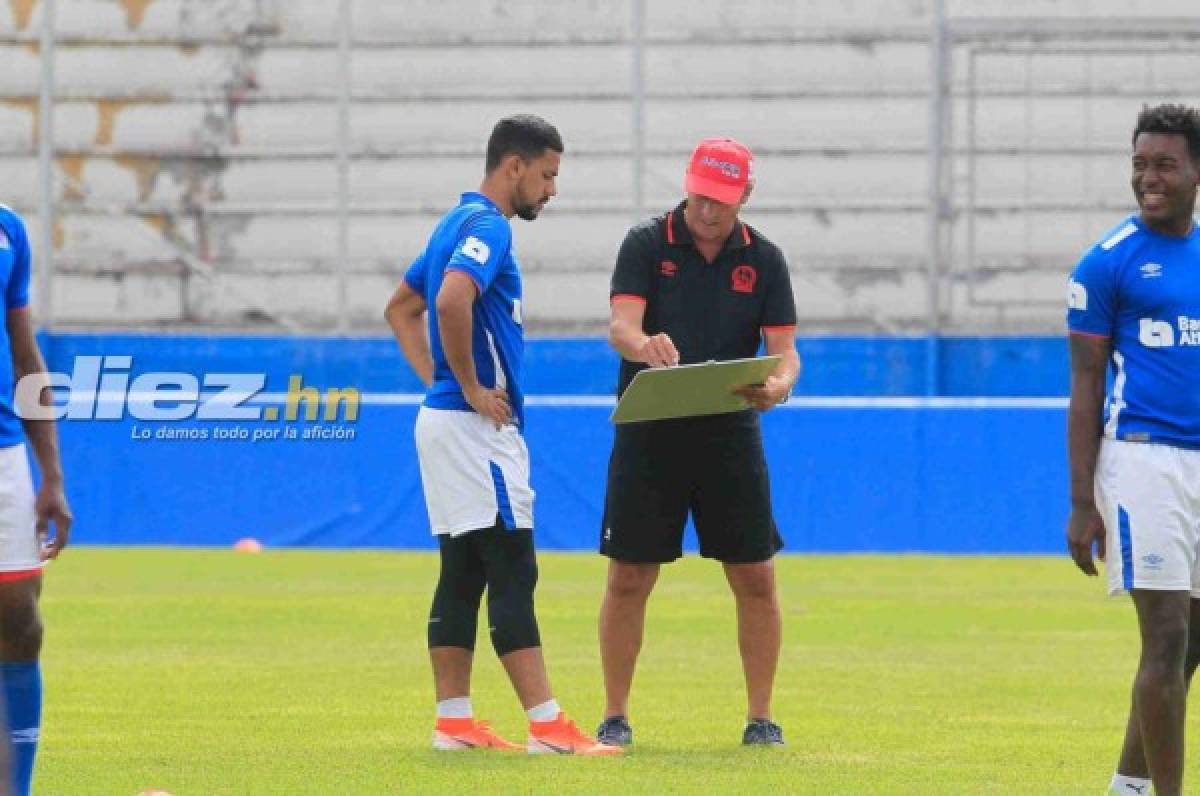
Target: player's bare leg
1133,754
1160,688
527,671
760,631
622,625
451,671
20,622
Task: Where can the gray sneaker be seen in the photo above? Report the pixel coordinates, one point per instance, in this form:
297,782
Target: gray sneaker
615,731
762,732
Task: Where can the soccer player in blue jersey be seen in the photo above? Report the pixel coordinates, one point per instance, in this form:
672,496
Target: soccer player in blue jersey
474,463
25,517
1134,302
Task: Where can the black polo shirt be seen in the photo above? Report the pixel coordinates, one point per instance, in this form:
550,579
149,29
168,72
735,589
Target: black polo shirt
711,311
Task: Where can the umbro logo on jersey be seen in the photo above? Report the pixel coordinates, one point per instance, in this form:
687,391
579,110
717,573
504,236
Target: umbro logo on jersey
1151,270
1153,561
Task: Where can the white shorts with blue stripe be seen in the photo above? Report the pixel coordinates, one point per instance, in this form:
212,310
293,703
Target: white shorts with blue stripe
472,472
19,542
1149,497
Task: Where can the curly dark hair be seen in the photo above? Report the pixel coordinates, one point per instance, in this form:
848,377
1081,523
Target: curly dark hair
1171,120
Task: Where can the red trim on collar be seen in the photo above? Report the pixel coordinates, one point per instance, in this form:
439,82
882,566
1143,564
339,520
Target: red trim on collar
670,230
746,234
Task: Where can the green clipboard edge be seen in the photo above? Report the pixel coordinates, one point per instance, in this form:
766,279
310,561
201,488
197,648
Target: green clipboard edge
691,390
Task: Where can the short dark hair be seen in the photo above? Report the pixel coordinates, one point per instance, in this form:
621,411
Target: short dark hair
1171,120
524,134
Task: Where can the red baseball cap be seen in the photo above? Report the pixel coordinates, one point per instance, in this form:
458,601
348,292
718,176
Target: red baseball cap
720,169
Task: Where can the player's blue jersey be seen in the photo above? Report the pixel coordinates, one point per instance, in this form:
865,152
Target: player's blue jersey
14,280
1142,290
475,238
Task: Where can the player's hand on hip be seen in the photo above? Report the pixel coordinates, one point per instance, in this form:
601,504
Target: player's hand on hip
762,397
51,507
492,403
1085,529
658,351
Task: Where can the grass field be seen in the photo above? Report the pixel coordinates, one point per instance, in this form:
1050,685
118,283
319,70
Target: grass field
208,672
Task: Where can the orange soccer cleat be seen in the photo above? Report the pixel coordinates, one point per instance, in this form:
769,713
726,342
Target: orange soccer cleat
560,736
451,735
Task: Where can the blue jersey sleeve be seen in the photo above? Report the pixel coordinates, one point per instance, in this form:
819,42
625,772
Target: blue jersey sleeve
482,248
16,292
415,275
1091,295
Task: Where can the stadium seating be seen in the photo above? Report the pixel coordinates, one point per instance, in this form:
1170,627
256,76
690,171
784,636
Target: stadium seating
196,146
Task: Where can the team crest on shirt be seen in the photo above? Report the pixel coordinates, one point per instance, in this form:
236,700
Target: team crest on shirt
4,244
744,277
1151,270
1076,296
668,268
476,249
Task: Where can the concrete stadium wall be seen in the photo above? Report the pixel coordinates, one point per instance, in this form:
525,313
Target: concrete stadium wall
211,126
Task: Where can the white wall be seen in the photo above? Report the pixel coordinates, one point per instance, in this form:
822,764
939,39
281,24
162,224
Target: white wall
214,124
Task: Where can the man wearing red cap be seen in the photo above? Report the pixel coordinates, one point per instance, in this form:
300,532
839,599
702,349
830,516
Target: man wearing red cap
692,285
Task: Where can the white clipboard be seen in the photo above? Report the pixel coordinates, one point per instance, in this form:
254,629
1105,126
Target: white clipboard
691,390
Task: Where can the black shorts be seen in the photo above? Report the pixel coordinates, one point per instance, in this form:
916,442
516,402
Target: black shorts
713,467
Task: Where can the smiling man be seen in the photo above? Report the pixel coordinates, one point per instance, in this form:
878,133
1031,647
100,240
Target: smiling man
1134,302
25,515
692,285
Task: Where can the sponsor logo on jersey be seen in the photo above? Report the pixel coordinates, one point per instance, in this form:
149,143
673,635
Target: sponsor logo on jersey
1161,334
1155,334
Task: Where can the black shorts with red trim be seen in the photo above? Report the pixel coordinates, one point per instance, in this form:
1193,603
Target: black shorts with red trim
712,467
